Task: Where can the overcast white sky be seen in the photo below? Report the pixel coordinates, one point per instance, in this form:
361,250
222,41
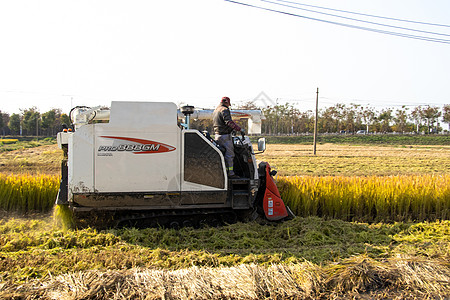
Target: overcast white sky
54,54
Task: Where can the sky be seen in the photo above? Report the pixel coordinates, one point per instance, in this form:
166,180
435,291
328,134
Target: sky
59,54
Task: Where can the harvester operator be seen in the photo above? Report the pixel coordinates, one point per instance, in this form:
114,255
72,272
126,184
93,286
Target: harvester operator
223,127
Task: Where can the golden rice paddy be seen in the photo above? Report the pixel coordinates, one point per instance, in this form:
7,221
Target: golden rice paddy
372,224
354,160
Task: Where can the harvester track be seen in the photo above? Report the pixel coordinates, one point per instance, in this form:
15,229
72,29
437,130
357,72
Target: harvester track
162,218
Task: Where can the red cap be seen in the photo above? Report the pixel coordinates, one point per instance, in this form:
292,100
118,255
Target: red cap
225,99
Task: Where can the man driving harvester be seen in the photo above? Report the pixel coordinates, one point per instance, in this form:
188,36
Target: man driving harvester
223,127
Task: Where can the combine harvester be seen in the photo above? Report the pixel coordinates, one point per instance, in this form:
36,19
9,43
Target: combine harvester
134,164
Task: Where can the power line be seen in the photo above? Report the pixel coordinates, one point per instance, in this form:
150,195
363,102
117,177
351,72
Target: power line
367,15
417,37
353,19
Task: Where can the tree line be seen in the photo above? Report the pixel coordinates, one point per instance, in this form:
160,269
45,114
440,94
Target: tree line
280,119
287,119
31,122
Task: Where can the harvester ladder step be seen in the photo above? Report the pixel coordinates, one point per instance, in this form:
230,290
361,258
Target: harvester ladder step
240,181
240,193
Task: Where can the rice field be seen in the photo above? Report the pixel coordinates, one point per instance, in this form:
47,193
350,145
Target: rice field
303,258
31,160
373,223
369,199
27,193
357,198
358,160
8,141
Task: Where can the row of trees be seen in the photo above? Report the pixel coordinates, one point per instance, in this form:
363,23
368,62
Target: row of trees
32,122
287,119
280,119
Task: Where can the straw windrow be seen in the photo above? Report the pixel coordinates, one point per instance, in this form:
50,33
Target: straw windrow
354,278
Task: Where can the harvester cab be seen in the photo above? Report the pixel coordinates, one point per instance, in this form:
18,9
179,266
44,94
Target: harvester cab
133,165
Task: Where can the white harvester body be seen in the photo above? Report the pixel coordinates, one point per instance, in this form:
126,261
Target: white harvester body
142,159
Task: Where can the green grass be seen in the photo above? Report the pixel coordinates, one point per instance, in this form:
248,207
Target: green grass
360,139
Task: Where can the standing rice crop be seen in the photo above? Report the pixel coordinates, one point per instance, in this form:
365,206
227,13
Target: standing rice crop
26,193
369,199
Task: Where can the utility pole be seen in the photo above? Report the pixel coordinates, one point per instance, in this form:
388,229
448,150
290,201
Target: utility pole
71,101
276,120
315,121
